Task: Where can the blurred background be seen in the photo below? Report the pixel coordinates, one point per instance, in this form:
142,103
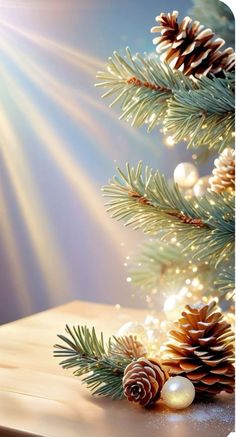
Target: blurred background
60,143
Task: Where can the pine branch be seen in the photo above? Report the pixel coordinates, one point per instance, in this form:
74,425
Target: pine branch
204,227
89,355
206,113
142,87
151,92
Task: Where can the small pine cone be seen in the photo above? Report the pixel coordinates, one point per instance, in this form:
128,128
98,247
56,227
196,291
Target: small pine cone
128,346
190,47
202,350
143,381
224,172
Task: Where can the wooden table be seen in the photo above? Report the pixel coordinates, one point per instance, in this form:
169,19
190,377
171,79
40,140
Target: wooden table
38,398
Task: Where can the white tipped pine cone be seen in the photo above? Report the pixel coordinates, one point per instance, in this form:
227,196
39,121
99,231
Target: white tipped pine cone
202,350
224,172
190,47
143,381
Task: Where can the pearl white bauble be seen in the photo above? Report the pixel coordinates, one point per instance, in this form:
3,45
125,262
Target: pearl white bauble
200,188
178,392
133,328
186,175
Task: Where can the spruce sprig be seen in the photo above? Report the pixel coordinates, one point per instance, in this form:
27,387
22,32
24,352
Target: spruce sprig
149,92
88,353
145,200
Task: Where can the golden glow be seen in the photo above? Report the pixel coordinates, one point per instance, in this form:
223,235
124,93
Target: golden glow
170,142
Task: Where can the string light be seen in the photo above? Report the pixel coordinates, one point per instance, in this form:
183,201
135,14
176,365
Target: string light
169,141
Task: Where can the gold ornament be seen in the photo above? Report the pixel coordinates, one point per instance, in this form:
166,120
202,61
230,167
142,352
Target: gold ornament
143,381
202,350
191,47
178,392
128,346
224,172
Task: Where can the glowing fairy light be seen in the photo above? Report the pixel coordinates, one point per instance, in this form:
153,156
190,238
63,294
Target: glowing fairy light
169,141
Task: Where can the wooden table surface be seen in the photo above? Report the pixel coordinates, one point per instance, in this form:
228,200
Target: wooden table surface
38,398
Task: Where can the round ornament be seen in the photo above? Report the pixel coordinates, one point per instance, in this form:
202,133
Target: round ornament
186,175
178,392
133,328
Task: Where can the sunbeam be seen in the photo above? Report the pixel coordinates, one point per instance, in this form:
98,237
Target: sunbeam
90,63
14,258
71,169
44,243
65,96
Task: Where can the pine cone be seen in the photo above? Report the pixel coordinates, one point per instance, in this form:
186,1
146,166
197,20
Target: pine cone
128,346
143,381
190,47
224,172
202,350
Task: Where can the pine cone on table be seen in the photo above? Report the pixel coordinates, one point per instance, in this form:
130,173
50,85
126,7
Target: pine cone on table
202,350
143,381
224,172
190,47
128,346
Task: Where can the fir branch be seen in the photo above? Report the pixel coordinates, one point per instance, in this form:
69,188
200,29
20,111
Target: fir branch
205,227
206,113
149,92
85,351
141,86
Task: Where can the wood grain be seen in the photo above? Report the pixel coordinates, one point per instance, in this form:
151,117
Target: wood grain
38,398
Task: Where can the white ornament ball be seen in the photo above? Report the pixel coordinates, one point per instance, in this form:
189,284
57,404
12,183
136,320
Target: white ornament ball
186,175
133,328
178,392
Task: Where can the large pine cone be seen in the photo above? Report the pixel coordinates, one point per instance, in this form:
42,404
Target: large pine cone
202,350
224,172
143,381
190,47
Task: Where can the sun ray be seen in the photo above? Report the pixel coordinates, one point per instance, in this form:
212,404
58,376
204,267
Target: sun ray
74,56
14,258
65,97
71,169
45,246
